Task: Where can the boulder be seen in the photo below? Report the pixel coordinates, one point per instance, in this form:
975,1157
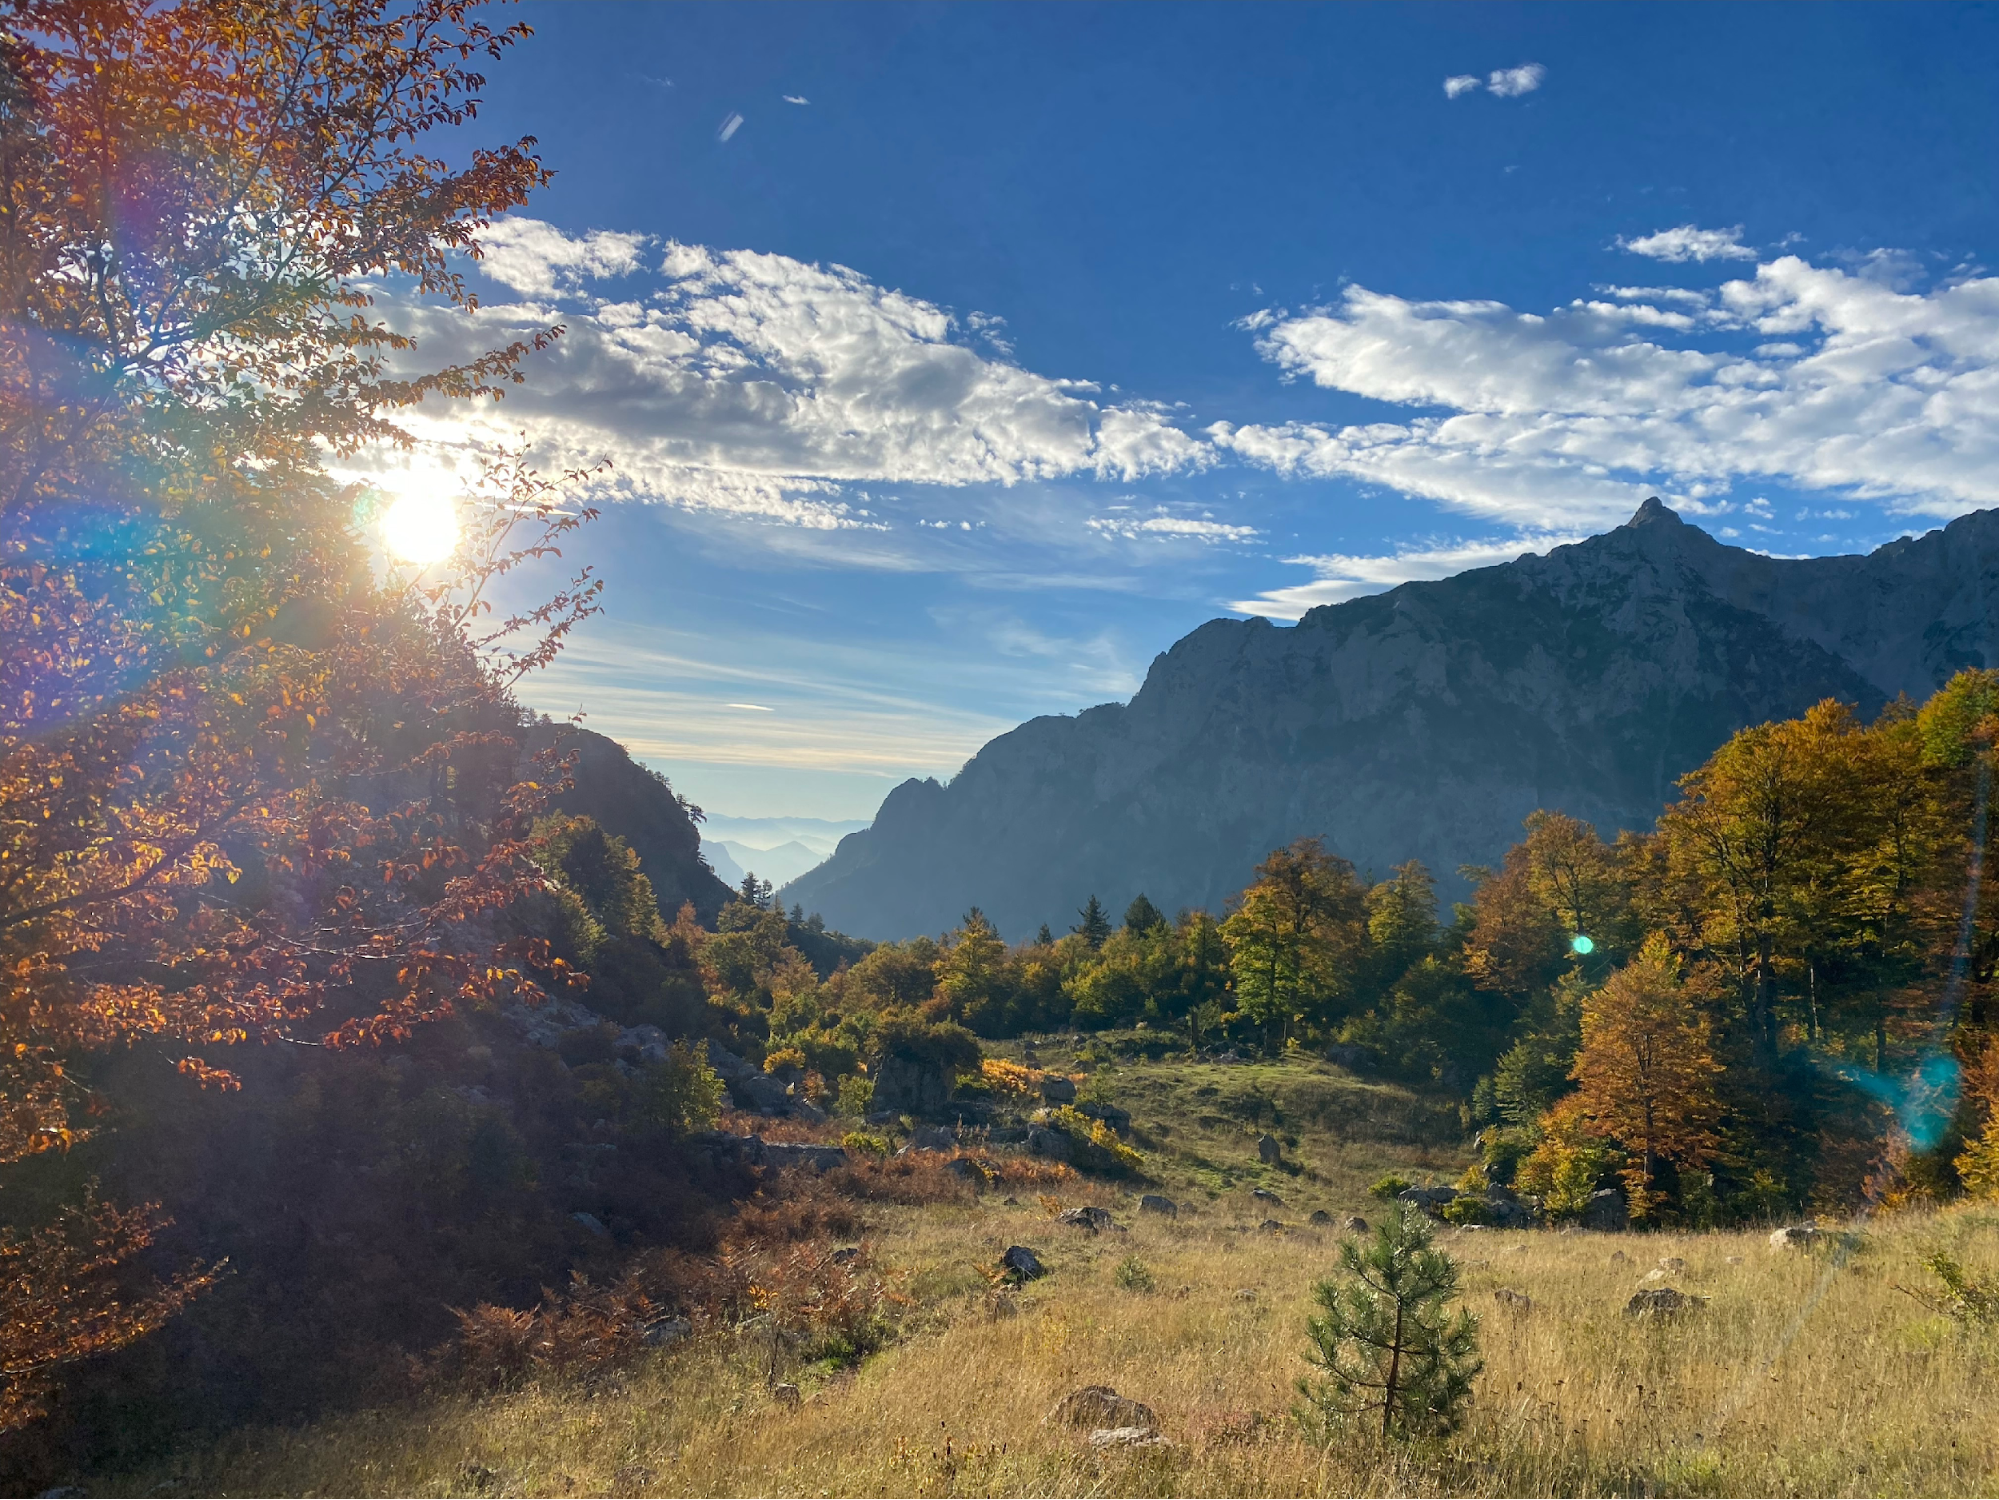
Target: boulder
665,1332
913,1087
1796,1237
1606,1210
786,1394
728,1067
1671,1263
977,1173
1124,1439
1269,1150
804,1109
803,1154
759,1093
846,1255
1430,1199
1052,1144
1662,1302
1270,1226
1504,1211
1321,1219
1264,1195
1088,1217
1021,1263
1245,1294
1117,1119
1100,1406
932,1138
1058,1090
1353,1059
592,1223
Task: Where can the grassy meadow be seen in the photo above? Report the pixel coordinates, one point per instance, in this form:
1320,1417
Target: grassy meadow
1804,1373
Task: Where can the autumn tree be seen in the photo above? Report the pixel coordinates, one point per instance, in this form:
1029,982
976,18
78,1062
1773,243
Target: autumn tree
1297,937
248,789
1645,1074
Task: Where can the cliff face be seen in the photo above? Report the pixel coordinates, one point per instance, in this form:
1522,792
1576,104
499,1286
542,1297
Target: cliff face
1425,722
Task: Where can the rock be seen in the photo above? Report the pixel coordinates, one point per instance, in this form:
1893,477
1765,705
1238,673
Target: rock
846,1255
665,1333
1321,1219
1353,1059
1654,1275
1153,1203
1051,1144
932,1138
1662,1302
1671,1263
592,1223
1245,1294
1107,1439
1355,1224
1796,1237
1269,1150
912,1086
1270,1226
785,1394
1264,1195
977,1173
1058,1090
1430,1199
1618,1257
1606,1210
1088,1217
1734,1260
728,1067
804,1109
760,1093
1100,1406
1022,1263
879,1117
1507,1297
804,1154
1117,1119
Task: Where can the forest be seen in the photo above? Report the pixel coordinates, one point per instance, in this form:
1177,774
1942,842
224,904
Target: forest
287,897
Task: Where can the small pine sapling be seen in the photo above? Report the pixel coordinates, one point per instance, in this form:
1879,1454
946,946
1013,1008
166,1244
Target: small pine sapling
1386,1338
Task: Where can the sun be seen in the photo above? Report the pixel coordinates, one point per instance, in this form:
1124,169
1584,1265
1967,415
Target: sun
420,528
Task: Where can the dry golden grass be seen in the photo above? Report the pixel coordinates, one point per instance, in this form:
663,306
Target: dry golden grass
1800,1376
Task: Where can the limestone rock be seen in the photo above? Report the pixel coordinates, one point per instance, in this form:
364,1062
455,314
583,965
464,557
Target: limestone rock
1796,1237
665,1333
1100,1406
1110,1439
1355,1225
1153,1203
1264,1195
1089,1217
1606,1210
1051,1144
1662,1302
1321,1219
1058,1090
1269,1150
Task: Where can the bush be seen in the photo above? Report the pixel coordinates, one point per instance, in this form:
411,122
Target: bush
1466,1211
1133,1275
1094,1145
865,1142
1391,1187
857,1096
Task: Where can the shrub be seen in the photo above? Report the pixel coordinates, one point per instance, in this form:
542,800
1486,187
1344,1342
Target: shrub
1094,1145
1466,1210
1391,1186
866,1142
1386,1338
857,1096
1133,1275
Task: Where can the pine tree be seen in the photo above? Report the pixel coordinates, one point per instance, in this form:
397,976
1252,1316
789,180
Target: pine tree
1095,926
1386,1337
1142,916
1044,938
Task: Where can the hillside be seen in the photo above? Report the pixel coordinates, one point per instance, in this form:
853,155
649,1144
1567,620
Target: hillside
1425,722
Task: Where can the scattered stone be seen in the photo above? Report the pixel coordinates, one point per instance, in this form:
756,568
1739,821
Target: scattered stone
932,1138
592,1223
804,1109
786,1394
913,1086
1270,1226
1269,1150
1153,1203
1089,1217
1022,1263
1245,1294
1117,1119
1618,1257
1430,1199
1506,1296
1321,1219
1606,1210
1058,1090
1654,1275
1050,1144
1264,1195
1100,1406
1355,1224
1662,1302
846,1255
1734,1260
881,1117
665,1333
1671,1263
803,1154
1796,1237
1009,1201
1107,1439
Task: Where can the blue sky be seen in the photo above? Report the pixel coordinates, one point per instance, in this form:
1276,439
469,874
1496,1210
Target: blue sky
956,360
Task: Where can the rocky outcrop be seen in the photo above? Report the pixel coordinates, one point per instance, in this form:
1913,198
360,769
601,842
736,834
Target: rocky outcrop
1425,722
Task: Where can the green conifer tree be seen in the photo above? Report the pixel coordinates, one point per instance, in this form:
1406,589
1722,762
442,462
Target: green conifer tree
1386,1338
1095,926
1142,916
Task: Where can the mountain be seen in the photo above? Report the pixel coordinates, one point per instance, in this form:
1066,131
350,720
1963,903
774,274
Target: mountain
777,864
1425,722
638,805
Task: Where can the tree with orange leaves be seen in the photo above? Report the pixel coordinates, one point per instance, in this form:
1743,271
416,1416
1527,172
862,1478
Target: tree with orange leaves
1645,1074
249,790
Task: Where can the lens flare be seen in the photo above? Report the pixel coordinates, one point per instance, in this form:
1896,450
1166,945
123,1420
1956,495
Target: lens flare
1581,944
420,529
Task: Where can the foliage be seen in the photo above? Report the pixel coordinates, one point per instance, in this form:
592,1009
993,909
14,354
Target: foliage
1134,1275
1296,937
1390,1187
1963,1297
857,1096
1385,1337
1569,1162
1094,1145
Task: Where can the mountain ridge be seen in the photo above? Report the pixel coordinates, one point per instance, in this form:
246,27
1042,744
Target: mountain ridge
1425,722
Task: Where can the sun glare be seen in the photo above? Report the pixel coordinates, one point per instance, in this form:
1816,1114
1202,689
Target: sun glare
420,528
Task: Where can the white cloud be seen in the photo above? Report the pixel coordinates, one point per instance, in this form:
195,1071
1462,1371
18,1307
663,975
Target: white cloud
1344,576
1510,83
729,126
1460,83
1685,296
1688,243
1569,419
761,386
795,99
1204,529
540,260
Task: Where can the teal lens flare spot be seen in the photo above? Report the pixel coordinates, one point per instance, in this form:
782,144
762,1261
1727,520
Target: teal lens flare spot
1581,943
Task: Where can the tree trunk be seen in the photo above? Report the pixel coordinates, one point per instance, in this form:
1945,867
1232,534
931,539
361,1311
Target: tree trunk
1394,1373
